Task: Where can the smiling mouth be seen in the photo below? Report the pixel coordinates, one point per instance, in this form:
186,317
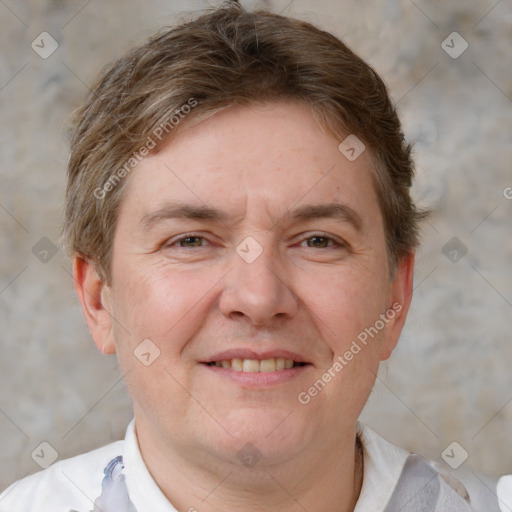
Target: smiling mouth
256,365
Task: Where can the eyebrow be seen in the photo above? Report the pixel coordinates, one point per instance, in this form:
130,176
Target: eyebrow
182,211
331,210
304,213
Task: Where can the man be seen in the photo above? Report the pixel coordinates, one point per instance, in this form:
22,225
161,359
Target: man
243,237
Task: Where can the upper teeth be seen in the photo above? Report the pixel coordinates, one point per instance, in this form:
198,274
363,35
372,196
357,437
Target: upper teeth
255,365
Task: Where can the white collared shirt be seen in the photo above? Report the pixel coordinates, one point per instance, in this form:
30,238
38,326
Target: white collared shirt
75,483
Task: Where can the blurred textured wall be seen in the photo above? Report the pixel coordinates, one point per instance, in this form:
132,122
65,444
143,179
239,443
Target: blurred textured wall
449,379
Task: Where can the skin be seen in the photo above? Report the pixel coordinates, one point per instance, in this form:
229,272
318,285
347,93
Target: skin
317,284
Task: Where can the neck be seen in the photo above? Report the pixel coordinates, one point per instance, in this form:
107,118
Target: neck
329,480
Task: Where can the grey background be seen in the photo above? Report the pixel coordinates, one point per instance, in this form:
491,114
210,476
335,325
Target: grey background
449,379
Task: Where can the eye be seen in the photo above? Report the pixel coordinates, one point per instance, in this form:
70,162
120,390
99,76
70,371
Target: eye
321,242
188,241
191,241
191,247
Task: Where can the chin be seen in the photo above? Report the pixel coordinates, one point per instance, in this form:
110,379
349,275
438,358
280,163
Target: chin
271,437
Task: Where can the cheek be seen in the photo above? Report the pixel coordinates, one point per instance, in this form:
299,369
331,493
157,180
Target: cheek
344,315
161,304
166,308
344,302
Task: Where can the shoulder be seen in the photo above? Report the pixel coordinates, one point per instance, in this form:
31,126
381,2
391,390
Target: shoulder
69,484
387,466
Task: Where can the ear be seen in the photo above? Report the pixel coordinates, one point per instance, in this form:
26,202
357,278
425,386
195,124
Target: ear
94,296
400,297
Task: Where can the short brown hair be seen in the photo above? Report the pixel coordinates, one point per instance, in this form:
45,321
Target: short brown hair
225,58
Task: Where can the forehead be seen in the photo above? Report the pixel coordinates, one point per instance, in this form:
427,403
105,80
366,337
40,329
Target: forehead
271,157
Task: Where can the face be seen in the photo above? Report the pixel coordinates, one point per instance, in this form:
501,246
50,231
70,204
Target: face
251,253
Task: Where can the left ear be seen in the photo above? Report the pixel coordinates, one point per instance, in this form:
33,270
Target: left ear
400,297
94,296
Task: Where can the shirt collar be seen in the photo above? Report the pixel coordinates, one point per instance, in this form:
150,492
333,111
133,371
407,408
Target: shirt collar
142,488
383,464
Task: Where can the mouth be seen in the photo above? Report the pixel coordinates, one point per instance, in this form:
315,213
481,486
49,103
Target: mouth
269,365
262,369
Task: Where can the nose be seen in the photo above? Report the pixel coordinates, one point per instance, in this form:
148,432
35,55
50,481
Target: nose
257,290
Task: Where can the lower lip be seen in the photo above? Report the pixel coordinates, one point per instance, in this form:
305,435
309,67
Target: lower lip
259,379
